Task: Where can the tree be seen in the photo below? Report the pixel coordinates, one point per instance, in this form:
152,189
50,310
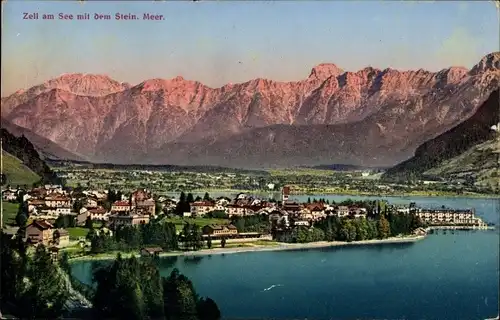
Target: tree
20,197
182,197
183,205
372,230
180,298
208,310
64,263
46,292
301,235
111,196
190,198
22,215
361,226
347,230
384,229
21,220
13,264
329,233
209,243
316,234
223,243
120,290
206,197
88,223
77,205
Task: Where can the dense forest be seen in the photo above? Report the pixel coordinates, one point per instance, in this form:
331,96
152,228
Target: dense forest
34,286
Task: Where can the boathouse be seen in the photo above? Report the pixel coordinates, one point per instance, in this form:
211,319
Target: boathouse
151,251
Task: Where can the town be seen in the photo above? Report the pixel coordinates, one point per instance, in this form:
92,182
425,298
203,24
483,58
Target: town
304,180
62,217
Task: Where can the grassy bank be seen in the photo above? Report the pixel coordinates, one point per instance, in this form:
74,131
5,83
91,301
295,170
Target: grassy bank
17,173
9,212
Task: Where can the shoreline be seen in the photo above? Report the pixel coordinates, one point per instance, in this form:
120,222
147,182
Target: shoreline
404,195
280,246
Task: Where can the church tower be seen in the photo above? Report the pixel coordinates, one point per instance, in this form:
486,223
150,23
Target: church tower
285,192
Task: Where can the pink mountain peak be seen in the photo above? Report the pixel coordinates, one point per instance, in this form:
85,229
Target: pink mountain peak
325,70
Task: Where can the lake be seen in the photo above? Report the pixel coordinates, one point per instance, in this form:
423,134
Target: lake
448,275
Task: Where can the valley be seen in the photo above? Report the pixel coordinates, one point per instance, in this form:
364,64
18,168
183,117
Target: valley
266,183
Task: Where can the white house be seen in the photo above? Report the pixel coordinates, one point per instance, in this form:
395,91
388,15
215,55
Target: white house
222,202
91,203
201,208
301,223
63,210
9,195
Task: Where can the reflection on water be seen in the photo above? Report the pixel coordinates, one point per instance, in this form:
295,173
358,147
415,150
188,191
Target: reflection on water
166,262
193,259
98,264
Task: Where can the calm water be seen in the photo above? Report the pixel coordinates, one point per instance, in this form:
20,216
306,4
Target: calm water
452,275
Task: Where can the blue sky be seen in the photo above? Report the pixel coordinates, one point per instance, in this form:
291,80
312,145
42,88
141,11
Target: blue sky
217,42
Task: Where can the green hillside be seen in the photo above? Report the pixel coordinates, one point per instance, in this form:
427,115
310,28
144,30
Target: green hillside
480,163
452,143
16,172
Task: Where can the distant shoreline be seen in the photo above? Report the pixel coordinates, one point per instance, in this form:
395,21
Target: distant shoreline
354,194
280,246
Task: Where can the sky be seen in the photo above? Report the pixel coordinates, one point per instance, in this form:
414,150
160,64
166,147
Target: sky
219,42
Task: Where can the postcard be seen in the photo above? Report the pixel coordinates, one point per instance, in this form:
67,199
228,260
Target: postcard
250,160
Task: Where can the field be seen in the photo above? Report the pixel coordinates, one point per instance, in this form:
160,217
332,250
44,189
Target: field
179,222
17,173
75,233
9,213
300,172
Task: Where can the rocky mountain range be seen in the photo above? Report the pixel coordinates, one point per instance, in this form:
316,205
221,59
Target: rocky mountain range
370,117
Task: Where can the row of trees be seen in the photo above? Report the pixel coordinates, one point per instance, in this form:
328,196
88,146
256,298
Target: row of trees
126,238
253,223
155,233
346,229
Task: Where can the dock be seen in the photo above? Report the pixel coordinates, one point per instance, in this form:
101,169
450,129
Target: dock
451,227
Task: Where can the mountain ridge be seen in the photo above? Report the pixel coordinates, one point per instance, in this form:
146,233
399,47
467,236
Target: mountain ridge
149,121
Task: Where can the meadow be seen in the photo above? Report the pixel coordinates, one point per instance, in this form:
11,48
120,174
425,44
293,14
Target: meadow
17,173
